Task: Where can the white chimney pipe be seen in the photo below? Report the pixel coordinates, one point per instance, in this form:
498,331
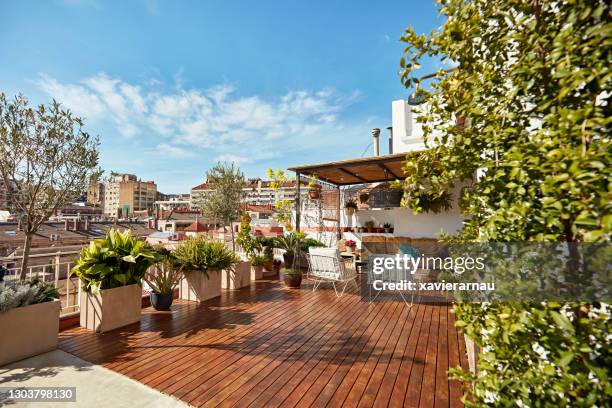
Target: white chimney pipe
390,129
375,137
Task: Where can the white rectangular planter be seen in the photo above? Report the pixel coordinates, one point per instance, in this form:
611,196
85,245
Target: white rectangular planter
28,331
197,287
111,308
238,277
256,272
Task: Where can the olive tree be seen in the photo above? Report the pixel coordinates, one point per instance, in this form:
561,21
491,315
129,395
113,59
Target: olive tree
224,201
46,159
525,118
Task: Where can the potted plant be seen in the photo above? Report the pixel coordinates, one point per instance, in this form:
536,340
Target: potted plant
350,207
29,318
257,264
292,278
111,270
387,227
363,198
290,243
350,245
163,278
203,260
314,193
369,226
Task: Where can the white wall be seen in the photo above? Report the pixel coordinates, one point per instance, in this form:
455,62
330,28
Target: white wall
407,224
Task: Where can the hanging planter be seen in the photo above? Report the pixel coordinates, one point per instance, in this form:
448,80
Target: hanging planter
350,207
314,194
363,198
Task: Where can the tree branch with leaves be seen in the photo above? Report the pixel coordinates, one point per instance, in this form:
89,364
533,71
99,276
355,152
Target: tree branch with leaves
46,160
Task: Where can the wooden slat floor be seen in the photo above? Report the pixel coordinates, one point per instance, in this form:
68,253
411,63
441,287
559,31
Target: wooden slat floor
268,346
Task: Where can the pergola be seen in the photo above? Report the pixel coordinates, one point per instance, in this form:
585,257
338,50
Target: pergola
351,172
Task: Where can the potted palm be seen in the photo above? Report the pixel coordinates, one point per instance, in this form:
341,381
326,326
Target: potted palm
350,207
111,271
290,243
202,261
163,278
29,318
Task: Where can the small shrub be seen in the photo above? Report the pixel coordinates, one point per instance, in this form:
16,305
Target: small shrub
19,294
203,255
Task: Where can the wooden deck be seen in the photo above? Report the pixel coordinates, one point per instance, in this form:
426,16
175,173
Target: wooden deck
269,346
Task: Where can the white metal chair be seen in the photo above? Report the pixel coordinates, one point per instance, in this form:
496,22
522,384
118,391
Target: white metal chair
326,265
390,275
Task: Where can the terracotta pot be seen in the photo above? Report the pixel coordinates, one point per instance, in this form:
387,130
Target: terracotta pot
293,281
350,249
314,194
28,331
111,308
197,287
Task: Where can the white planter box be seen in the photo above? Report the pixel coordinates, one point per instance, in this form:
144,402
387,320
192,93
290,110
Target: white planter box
197,287
236,278
28,331
256,272
111,308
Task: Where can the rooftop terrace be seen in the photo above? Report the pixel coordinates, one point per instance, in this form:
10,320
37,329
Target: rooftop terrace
270,346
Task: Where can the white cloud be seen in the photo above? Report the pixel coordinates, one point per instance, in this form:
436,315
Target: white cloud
181,122
173,151
232,158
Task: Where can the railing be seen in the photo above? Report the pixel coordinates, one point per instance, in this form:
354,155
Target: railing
57,273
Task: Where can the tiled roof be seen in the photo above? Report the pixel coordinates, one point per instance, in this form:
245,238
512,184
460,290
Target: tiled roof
196,227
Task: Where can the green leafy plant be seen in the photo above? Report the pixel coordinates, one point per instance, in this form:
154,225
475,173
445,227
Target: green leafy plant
290,242
291,271
369,224
15,293
306,243
201,255
119,259
531,87
386,225
164,276
258,260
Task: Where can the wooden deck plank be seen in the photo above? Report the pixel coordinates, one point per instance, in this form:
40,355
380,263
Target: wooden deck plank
269,346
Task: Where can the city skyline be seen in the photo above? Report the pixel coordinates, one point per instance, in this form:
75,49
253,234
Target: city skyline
298,85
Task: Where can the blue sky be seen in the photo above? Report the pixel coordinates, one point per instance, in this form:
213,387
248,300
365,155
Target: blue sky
171,87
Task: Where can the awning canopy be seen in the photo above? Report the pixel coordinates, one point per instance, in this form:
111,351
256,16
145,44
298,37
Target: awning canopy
357,171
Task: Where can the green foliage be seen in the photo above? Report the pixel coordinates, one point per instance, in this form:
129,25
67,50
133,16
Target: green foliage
258,260
290,271
369,224
550,355
224,202
306,243
165,276
533,86
15,293
203,255
524,121
119,259
283,207
290,242
46,157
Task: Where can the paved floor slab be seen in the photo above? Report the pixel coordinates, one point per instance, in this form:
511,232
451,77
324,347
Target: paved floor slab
96,386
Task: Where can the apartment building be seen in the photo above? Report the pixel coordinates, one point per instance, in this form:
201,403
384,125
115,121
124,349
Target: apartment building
257,192
125,193
95,193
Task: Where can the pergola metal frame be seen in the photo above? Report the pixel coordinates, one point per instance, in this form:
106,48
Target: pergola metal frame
312,171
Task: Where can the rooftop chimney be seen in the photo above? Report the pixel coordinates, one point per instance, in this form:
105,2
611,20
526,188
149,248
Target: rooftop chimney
375,137
390,129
